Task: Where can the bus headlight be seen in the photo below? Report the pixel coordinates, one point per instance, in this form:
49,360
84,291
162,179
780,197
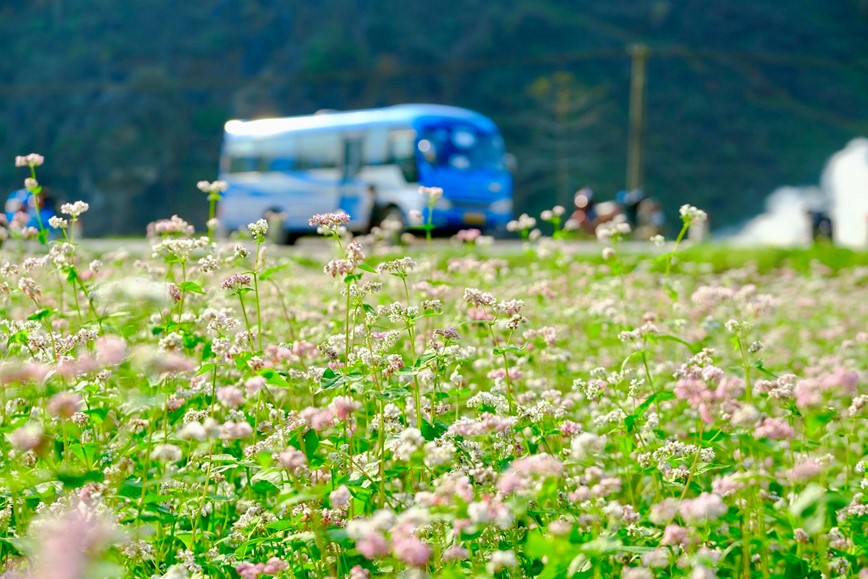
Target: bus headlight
501,206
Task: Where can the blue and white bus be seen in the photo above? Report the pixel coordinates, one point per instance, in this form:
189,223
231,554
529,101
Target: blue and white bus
368,163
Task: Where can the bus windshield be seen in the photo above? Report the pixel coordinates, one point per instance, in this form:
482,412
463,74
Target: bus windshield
462,147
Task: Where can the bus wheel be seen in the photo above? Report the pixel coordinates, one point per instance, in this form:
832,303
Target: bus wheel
291,238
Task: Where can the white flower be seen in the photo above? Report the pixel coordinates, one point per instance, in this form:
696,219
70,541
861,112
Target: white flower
258,230
74,209
690,214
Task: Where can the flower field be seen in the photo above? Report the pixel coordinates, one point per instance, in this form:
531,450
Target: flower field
213,410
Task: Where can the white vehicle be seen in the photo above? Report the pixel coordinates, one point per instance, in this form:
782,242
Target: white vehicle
368,163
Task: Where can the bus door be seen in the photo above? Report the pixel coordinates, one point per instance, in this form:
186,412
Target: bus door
356,199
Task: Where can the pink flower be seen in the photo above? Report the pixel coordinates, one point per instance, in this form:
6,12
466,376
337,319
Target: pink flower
65,404
344,406
456,553
318,418
412,551
28,437
674,535
340,497
292,459
705,507
538,464
358,572
805,470
111,350
235,430
254,385
230,396
249,570
274,566
774,429
372,546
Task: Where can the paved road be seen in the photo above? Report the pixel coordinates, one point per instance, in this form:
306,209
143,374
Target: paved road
320,248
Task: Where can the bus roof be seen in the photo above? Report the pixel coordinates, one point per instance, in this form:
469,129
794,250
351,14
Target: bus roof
394,115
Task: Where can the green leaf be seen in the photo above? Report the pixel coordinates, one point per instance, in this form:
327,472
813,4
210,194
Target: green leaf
205,368
311,443
432,432
74,480
267,273
330,379
366,267
630,421
40,315
191,287
274,378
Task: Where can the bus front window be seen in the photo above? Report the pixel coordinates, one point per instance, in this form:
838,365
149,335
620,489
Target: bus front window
462,148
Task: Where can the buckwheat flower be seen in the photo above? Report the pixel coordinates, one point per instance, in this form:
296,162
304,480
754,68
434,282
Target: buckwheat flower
706,507
804,470
340,497
478,298
415,217
212,187
338,268
702,572
26,438
773,428
193,431
236,281
433,194
31,160
230,396
329,220
636,573
608,253
292,460
675,535
456,553
259,230
274,566
235,430
344,406
658,240
501,560
655,558
587,445
31,184
690,214
372,546
65,404
166,453
74,209
355,253
359,572
397,267
411,551
70,541
247,570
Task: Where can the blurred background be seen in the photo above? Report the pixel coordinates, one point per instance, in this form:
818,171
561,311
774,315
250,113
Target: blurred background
127,100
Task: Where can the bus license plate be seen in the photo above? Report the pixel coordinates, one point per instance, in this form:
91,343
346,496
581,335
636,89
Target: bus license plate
474,218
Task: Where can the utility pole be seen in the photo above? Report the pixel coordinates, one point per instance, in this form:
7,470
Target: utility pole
639,56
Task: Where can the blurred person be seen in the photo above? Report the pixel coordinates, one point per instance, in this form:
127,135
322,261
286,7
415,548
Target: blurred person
821,226
650,219
23,201
588,214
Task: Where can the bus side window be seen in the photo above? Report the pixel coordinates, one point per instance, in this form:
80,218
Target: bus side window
318,151
402,152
